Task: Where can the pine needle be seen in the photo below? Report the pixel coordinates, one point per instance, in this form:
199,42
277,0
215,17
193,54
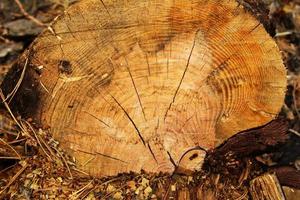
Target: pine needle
37,139
18,155
14,177
10,112
11,95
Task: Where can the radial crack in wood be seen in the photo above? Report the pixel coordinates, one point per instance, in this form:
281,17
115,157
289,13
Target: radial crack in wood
140,83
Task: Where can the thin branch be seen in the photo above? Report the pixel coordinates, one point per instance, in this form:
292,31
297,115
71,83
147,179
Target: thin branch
66,163
183,75
37,139
295,132
11,95
295,100
28,16
10,112
11,148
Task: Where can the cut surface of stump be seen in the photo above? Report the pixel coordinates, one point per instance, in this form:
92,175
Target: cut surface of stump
140,85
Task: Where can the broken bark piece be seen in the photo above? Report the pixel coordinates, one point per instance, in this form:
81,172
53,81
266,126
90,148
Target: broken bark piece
147,81
266,187
291,193
288,176
183,194
256,139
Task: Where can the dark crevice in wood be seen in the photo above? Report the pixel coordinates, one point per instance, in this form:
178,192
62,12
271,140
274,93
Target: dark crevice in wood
104,155
135,89
258,9
183,75
105,8
98,119
131,120
254,28
70,31
107,156
171,159
148,65
150,149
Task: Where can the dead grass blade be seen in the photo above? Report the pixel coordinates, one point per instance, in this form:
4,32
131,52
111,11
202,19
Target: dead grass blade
76,194
18,155
295,85
47,146
14,177
66,163
11,95
38,140
9,158
10,112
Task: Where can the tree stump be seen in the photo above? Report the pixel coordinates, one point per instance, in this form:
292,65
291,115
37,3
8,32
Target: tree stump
148,85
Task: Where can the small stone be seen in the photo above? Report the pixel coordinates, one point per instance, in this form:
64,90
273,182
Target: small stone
118,195
22,27
173,188
110,188
91,196
148,191
60,179
145,182
131,185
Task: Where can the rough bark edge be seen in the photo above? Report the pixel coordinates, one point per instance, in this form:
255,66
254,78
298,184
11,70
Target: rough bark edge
266,187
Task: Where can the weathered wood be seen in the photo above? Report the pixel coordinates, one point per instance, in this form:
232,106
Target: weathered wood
135,85
291,193
288,176
266,187
184,194
197,193
257,139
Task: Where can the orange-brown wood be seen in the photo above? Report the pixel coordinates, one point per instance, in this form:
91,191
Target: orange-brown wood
136,84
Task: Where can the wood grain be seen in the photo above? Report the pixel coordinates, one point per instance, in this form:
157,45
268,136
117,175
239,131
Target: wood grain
266,187
132,85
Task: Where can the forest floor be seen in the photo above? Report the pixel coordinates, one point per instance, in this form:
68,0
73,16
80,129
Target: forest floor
38,169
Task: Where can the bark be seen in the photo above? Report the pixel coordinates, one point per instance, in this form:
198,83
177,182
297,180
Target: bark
266,187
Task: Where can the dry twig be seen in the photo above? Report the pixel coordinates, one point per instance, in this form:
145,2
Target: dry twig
28,16
295,100
37,139
18,155
11,95
10,112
